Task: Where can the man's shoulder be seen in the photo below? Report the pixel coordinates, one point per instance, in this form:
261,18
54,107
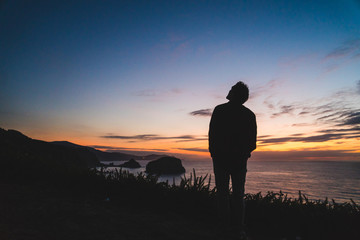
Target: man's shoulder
228,107
248,111
221,106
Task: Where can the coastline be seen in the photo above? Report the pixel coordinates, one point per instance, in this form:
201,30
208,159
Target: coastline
318,180
121,205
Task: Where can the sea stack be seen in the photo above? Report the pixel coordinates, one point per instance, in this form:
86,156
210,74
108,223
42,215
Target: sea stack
131,164
165,165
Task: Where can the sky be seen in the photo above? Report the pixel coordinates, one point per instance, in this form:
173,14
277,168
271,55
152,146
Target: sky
144,76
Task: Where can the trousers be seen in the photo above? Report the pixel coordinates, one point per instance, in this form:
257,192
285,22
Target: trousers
231,210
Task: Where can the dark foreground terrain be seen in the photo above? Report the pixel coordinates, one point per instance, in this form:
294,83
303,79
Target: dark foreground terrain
32,212
123,206
53,192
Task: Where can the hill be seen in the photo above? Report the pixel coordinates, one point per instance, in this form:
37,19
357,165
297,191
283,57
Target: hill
16,148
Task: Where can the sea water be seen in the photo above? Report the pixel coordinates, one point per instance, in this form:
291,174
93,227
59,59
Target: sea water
317,180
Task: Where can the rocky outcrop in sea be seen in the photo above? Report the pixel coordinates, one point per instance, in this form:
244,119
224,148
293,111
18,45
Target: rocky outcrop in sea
165,165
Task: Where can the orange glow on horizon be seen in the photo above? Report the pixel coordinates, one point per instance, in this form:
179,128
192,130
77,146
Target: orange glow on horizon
199,149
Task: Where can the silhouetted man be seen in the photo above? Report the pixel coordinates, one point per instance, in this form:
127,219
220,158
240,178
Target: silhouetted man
232,138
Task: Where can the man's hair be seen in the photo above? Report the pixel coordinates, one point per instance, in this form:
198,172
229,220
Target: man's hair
239,93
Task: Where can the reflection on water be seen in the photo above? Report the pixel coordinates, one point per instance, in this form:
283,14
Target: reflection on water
335,180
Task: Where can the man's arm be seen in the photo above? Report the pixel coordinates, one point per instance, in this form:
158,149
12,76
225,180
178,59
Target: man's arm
253,133
212,131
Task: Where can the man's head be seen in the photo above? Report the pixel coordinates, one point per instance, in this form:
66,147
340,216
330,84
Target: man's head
239,93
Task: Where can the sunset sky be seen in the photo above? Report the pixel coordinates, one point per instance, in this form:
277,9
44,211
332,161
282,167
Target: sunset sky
145,75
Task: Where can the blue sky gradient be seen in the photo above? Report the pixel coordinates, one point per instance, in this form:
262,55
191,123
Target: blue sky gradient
80,70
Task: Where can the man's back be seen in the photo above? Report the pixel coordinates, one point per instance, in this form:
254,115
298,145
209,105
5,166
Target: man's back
232,137
232,131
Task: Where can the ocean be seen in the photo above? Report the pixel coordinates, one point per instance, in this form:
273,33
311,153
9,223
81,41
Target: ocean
317,180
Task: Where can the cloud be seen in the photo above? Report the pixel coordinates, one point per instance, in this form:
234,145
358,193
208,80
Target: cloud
348,48
157,94
356,56
270,85
268,104
352,119
320,136
103,147
155,137
305,155
347,52
285,109
173,47
297,134
194,149
301,124
331,117
264,136
176,91
336,109
136,137
119,149
202,112
354,130
331,68
347,117
337,113
276,140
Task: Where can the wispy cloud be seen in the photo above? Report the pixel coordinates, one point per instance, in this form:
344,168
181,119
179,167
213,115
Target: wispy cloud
336,109
134,137
348,48
353,129
269,104
301,124
284,109
268,87
347,52
155,137
194,149
306,155
202,112
337,114
339,117
352,119
158,94
320,136
173,47
125,149
103,147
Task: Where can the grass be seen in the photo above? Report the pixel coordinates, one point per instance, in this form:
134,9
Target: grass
101,204
278,214
272,214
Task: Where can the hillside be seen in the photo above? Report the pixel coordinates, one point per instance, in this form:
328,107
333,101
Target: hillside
16,149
